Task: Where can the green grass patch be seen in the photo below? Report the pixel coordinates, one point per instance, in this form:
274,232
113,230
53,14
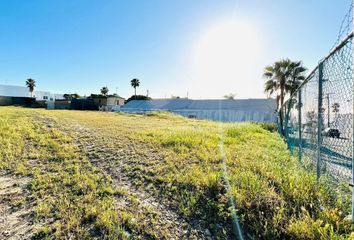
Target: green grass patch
72,198
276,198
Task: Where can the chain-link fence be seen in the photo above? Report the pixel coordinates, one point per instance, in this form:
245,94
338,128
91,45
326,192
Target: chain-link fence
318,118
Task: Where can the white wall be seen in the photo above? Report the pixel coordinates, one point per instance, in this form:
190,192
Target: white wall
47,96
19,91
219,115
230,115
14,91
42,95
58,96
239,110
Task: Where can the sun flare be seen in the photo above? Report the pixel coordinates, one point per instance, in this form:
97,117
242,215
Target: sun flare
224,53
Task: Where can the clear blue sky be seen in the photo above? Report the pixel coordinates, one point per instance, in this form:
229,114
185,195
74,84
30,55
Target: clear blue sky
205,47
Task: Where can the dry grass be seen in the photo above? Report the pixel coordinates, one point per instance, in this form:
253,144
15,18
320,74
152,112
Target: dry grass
173,161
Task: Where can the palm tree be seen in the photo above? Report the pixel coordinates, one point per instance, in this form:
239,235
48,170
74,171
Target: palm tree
104,91
135,83
283,77
297,76
31,84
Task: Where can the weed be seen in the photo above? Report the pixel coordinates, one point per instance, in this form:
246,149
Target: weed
179,160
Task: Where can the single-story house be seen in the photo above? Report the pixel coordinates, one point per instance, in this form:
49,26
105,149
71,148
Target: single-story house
98,102
238,110
107,102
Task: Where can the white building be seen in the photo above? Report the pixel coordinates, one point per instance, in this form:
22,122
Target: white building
19,91
13,91
238,110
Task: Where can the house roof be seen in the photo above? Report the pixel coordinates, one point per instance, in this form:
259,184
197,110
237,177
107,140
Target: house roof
264,105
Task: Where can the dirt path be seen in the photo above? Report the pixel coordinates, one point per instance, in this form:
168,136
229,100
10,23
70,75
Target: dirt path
15,220
156,219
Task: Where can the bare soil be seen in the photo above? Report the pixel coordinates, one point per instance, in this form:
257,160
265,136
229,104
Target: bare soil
15,211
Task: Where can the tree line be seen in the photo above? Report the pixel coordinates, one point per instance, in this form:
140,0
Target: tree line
135,82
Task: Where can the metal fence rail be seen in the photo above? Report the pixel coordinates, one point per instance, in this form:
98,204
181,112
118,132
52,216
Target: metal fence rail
318,118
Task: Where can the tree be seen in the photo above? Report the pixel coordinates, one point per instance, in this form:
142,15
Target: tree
137,97
230,96
70,96
31,84
104,91
67,96
135,83
297,76
75,95
283,77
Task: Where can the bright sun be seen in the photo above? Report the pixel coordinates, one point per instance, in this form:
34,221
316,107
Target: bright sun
224,54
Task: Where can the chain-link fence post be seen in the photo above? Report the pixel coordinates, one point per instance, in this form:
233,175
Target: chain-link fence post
352,180
285,124
278,120
319,120
300,125
352,132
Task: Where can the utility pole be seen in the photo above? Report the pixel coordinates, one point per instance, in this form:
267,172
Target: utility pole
328,109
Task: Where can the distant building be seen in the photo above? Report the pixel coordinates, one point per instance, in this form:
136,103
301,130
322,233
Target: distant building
82,104
109,100
13,91
17,101
98,102
238,110
19,91
61,104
